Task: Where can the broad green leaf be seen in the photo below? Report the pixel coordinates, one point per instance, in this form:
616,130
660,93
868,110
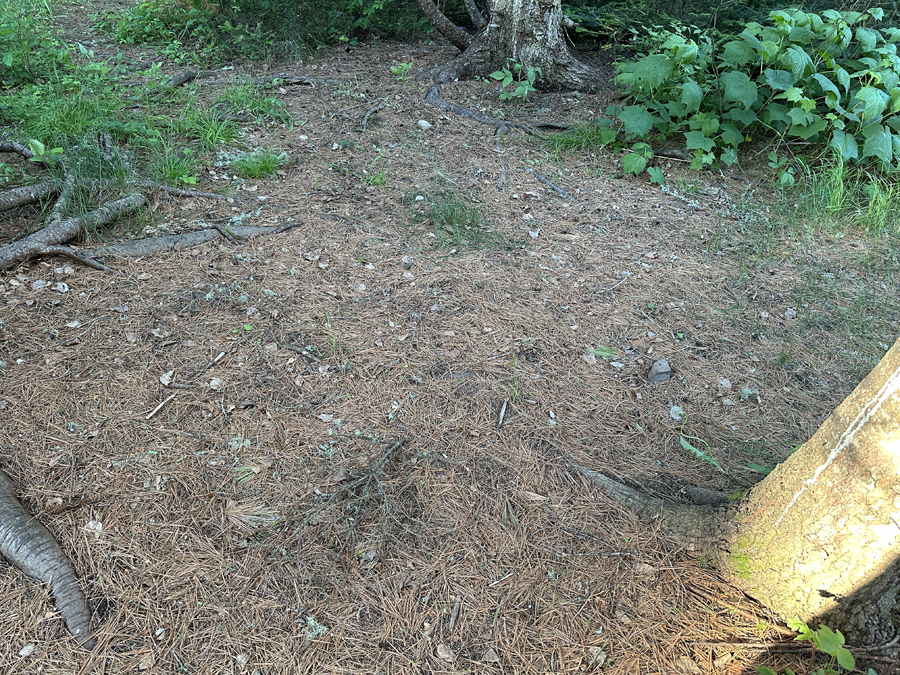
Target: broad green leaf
652,71
738,53
608,135
876,13
845,144
828,641
794,94
696,140
748,36
765,670
728,157
731,135
808,130
691,95
775,112
845,658
878,143
782,80
874,100
739,87
843,77
800,116
636,120
710,125
867,38
743,117
797,61
656,175
634,163
826,84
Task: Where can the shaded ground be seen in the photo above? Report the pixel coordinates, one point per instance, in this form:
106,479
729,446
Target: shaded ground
264,518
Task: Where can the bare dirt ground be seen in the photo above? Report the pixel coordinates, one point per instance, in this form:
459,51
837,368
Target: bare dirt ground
330,490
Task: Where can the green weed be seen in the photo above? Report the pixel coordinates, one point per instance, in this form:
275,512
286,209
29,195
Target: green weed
457,223
175,167
260,163
246,99
517,76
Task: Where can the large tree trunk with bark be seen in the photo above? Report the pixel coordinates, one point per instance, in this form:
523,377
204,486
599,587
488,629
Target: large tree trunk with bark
819,538
528,32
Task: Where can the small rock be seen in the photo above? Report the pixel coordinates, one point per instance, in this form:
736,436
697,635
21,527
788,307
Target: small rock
596,657
490,656
27,650
444,652
423,125
660,371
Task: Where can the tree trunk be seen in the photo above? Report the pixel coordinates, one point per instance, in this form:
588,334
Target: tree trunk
819,538
528,32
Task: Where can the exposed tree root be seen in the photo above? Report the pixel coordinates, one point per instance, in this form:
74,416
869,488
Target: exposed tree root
703,529
502,126
59,229
27,194
49,239
549,183
176,242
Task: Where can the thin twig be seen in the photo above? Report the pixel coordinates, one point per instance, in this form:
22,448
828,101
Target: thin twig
546,181
502,414
159,407
500,159
369,112
207,366
454,615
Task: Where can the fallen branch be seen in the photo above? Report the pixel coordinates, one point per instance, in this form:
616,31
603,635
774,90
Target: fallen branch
369,113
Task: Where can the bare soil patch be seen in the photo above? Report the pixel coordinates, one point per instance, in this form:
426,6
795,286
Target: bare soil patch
265,517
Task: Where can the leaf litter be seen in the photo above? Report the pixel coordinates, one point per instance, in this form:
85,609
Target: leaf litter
308,546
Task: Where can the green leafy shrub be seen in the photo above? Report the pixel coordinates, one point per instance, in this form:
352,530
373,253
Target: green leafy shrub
28,48
830,79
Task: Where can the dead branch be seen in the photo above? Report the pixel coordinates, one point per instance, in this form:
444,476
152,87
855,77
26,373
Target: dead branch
27,194
369,113
454,34
18,148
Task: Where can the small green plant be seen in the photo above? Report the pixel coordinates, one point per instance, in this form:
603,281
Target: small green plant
374,173
685,442
401,72
260,163
213,132
246,99
827,641
523,78
458,223
177,167
40,153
